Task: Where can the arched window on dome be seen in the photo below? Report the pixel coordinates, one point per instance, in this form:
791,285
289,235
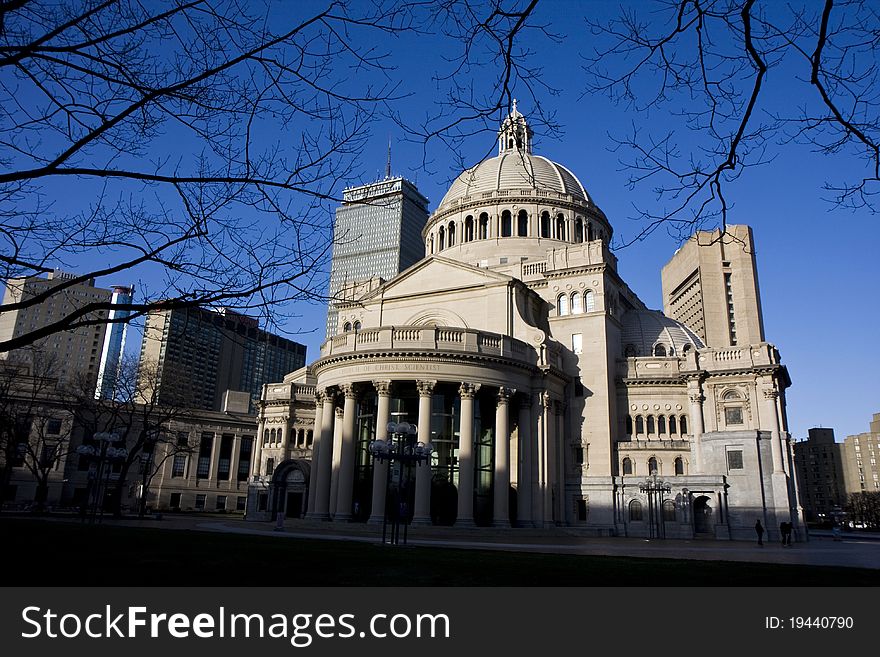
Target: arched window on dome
468,229
683,425
346,327
686,348
545,224
652,466
672,430
357,326
562,305
627,466
629,425
451,237
659,349
589,232
650,425
441,239
578,230
560,227
506,224
661,424
522,223
577,306
635,511
590,302
483,228
679,465
640,425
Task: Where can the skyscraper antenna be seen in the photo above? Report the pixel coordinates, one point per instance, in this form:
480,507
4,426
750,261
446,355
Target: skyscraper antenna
388,164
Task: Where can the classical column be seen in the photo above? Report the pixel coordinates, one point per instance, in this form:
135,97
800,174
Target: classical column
772,418
465,516
501,485
695,399
422,511
335,459
316,446
557,475
346,461
524,480
322,476
547,461
258,448
380,468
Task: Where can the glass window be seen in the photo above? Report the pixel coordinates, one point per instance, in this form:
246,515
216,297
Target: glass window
635,511
506,224
562,305
683,425
735,460
659,350
627,466
652,466
545,224
522,223
590,302
661,424
577,305
733,415
221,503
640,424
178,467
240,503
679,466
577,343
672,425
200,501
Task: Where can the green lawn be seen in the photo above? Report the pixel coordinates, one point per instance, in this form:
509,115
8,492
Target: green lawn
156,557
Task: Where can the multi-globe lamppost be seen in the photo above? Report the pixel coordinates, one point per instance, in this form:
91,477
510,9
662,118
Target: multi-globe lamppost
104,454
655,488
402,449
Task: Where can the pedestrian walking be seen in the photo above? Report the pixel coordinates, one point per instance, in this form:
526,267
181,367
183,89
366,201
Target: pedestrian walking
759,530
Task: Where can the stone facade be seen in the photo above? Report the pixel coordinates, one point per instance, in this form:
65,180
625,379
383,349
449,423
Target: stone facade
550,393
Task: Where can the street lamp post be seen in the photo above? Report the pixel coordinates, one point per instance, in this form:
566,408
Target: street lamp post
401,448
655,488
104,453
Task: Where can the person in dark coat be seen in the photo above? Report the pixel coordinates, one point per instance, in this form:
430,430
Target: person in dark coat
759,530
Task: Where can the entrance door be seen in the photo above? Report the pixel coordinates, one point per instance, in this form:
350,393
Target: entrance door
294,504
702,515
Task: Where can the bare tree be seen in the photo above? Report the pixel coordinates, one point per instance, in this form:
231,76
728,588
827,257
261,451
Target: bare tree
134,421
34,428
204,138
711,67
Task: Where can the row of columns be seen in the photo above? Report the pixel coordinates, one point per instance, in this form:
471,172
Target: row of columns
333,457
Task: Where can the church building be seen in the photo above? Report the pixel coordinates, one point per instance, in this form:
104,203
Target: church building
548,393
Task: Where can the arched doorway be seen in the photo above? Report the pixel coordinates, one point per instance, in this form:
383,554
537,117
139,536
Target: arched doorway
702,515
289,489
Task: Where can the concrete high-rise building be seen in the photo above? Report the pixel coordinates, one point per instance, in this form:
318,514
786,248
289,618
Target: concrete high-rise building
67,354
861,452
114,343
819,467
377,233
212,359
711,286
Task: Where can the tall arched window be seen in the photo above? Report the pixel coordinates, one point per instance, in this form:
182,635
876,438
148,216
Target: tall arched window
562,305
483,230
272,436
661,424
545,224
265,436
589,232
309,437
441,235
468,229
672,430
589,301
522,223
560,227
650,424
451,238
629,425
683,424
431,244
668,511
659,350
506,227
679,466
627,466
357,326
578,230
652,466
640,424
635,511
577,306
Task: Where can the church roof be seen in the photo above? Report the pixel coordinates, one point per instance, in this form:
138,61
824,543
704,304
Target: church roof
642,330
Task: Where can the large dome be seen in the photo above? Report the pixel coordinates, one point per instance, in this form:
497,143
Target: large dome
644,330
515,170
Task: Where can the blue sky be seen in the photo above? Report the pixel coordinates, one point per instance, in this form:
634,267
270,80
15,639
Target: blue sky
818,266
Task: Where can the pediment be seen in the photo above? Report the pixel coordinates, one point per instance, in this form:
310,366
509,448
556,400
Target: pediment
436,274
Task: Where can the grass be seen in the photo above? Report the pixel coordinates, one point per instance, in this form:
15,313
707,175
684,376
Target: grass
157,557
